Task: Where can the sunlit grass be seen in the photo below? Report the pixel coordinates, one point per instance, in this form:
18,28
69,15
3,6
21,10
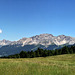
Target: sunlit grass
54,65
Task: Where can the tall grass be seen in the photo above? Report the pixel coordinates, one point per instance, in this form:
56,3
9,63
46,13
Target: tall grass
54,65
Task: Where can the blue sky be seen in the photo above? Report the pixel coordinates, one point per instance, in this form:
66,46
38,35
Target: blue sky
26,18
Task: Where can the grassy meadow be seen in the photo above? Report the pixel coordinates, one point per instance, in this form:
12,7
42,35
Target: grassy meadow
52,65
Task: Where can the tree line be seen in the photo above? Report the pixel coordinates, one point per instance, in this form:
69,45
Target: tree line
43,53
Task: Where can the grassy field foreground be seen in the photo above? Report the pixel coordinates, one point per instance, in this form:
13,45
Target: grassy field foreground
53,65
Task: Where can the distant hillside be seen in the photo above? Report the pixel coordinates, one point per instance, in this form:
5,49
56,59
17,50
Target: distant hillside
44,41
43,52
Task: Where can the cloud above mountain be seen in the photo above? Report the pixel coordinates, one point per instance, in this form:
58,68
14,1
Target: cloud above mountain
0,31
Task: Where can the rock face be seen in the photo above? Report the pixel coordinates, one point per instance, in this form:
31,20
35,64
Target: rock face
42,39
4,42
46,39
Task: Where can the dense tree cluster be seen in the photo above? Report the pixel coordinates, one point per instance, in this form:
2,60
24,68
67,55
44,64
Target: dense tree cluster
43,53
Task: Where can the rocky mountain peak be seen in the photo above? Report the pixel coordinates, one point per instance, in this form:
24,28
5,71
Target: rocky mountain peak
46,35
43,39
4,42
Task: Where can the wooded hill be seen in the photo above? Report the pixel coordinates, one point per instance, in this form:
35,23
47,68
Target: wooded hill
43,53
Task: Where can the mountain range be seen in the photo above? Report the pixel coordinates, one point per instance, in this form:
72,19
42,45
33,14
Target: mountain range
45,41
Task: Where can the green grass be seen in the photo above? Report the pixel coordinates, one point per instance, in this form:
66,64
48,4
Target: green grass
53,65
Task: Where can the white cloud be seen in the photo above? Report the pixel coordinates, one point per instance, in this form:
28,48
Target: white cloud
0,31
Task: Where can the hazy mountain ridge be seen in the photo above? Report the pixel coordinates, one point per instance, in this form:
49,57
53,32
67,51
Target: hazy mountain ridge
43,39
4,42
46,39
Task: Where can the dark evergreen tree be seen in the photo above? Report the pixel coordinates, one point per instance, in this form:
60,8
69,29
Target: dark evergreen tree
71,51
65,50
45,53
37,53
22,54
17,56
32,54
56,52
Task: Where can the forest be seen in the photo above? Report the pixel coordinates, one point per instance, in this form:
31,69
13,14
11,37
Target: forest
43,53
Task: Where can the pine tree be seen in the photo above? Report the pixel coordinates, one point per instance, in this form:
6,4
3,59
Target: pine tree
22,54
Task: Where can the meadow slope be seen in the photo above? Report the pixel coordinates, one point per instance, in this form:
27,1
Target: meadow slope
52,65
